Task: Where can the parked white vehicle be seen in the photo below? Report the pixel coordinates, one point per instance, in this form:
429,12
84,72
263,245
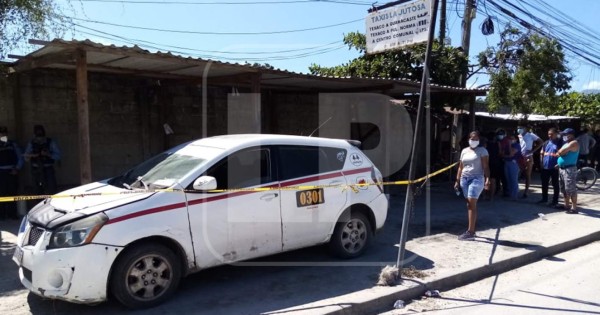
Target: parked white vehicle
124,239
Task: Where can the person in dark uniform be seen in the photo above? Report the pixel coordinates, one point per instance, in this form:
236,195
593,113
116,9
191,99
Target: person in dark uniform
11,162
549,160
42,152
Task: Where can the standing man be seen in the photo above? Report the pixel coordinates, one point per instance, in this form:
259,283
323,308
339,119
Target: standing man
567,163
530,143
11,162
586,143
42,152
548,161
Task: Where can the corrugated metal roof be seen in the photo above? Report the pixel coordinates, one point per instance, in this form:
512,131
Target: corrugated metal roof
135,60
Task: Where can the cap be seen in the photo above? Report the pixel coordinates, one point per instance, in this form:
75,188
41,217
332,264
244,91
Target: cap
568,131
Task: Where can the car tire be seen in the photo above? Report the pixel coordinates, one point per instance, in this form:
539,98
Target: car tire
352,236
145,276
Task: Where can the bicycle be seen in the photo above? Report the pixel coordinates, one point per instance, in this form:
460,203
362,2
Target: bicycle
586,176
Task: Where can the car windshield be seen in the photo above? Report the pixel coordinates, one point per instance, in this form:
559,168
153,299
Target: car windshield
162,170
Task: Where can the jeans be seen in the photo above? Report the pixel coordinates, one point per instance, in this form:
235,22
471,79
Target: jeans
511,169
8,187
547,175
44,180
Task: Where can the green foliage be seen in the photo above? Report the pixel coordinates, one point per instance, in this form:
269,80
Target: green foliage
585,106
21,20
528,73
447,65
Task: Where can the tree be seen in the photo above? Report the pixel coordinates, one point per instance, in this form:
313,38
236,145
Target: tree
24,19
584,106
447,63
528,73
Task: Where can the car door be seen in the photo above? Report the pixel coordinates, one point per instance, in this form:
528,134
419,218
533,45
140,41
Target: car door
236,225
309,214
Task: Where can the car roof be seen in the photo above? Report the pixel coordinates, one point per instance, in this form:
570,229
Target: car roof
227,142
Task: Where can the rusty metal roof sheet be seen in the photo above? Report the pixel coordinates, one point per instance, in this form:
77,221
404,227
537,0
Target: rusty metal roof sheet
135,60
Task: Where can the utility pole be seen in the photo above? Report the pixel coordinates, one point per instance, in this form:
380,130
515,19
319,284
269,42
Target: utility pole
442,22
410,189
466,45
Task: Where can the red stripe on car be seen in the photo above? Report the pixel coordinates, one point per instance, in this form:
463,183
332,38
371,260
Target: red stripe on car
233,194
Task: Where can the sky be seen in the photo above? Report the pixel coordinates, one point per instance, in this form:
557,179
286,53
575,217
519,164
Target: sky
294,51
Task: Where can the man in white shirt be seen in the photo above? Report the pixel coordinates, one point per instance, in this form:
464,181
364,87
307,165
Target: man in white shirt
530,143
586,142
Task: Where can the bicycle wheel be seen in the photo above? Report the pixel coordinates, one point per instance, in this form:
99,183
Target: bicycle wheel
586,178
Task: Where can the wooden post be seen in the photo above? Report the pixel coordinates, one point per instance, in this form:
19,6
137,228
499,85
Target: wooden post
83,118
256,97
471,113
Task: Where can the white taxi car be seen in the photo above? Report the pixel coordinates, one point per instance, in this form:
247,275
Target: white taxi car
134,236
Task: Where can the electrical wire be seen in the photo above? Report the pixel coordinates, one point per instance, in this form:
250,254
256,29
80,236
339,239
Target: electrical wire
584,50
214,33
191,52
229,2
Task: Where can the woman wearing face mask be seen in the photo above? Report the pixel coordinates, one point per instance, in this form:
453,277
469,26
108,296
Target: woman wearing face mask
511,152
473,176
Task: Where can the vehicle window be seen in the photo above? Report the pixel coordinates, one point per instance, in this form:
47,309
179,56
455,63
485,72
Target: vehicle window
243,169
367,133
301,161
162,170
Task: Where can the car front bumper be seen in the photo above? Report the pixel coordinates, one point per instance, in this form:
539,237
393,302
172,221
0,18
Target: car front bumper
76,274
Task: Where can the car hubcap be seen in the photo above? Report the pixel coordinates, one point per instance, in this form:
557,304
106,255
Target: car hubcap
354,236
149,277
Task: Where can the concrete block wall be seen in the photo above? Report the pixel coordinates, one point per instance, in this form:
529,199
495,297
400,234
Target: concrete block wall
127,114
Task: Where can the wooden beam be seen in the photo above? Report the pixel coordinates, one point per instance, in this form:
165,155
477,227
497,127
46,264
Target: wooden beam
256,97
11,56
242,78
83,118
26,64
39,42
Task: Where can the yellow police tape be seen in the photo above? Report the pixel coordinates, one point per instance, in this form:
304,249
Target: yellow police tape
353,187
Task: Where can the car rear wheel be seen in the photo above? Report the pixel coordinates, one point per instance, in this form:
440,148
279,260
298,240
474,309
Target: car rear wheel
145,276
351,237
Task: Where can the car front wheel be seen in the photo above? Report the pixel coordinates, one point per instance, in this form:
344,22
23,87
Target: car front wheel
145,276
351,237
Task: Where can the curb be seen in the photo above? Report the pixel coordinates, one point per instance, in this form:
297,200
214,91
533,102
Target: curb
385,302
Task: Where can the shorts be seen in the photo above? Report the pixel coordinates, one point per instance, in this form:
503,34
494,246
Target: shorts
471,186
568,180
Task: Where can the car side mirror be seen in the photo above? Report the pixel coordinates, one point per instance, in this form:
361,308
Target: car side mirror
205,183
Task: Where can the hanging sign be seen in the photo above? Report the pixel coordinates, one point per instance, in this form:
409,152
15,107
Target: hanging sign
401,25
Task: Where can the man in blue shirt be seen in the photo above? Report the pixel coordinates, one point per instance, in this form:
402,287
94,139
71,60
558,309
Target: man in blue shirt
42,152
11,162
549,159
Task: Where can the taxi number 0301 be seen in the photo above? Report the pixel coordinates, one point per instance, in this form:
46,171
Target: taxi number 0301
310,197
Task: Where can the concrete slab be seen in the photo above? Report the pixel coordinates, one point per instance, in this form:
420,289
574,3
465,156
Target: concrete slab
495,250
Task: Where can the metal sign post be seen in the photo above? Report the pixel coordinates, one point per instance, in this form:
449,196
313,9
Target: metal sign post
411,173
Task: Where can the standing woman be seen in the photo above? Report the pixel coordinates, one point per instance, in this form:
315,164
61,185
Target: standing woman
511,153
473,176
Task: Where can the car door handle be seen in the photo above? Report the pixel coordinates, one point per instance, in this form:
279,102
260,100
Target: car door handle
269,197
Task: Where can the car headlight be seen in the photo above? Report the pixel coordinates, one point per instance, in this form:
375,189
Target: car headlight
23,225
78,233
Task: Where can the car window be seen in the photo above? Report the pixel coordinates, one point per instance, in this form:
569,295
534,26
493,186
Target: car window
162,170
301,161
243,169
